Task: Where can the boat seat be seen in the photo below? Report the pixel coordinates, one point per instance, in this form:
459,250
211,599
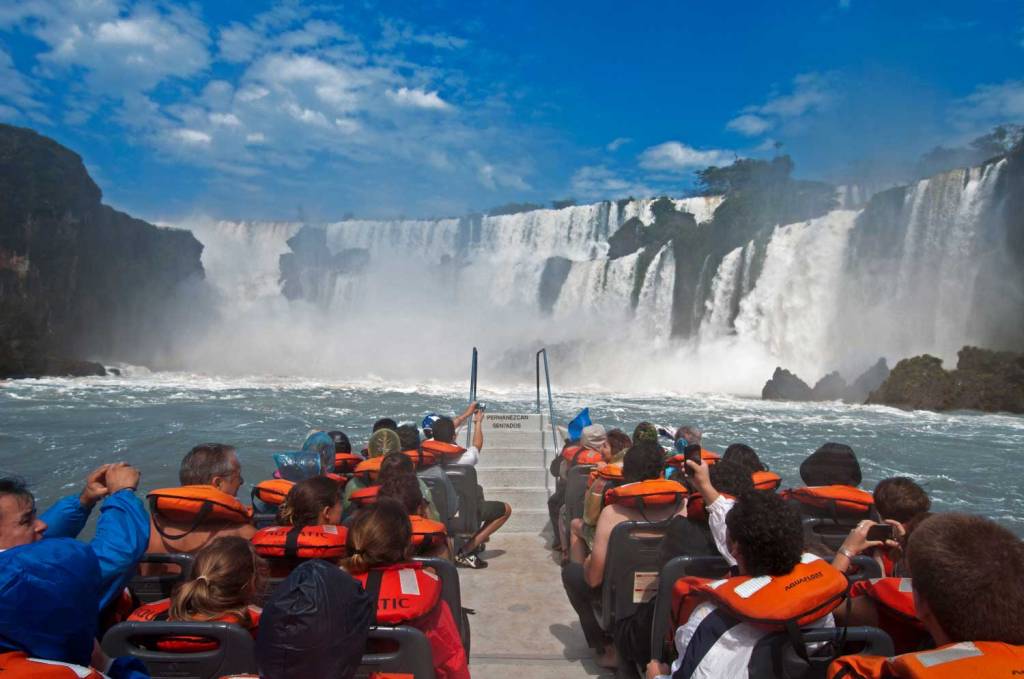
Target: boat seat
235,653
411,658
150,588
451,593
633,562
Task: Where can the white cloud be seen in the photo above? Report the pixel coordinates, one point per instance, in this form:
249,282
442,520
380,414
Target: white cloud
228,119
993,103
193,137
675,156
417,98
598,182
255,138
237,43
617,143
749,124
494,177
810,93
395,32
15,88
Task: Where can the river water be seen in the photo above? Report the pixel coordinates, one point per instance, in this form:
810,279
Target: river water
53,431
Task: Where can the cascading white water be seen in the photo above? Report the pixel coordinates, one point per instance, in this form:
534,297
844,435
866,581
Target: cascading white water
835,292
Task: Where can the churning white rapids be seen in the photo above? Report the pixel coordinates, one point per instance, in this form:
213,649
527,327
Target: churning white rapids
55,430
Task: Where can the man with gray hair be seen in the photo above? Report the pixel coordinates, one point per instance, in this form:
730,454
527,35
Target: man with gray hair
208,464
692,435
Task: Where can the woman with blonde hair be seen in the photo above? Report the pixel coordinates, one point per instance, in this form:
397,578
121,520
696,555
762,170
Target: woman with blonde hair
380,540
227,578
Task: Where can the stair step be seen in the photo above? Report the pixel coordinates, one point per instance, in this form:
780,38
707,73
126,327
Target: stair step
526,497
525,520
512,457
511,477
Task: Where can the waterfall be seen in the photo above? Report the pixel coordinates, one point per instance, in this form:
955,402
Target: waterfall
914,269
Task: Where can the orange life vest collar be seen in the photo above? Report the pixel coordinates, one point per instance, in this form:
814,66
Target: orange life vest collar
369,469
846,500
345,463
575,455
421,457
427,534
364,497
404,591
181,643
679,461
766,480
895,594
307,542
272,491
811,590
17,665
194,505
649,493
444,451
952,661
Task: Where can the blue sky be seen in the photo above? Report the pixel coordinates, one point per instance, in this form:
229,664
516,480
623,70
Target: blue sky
285,110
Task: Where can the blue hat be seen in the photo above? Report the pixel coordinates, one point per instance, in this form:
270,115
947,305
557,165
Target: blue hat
577,424
429,420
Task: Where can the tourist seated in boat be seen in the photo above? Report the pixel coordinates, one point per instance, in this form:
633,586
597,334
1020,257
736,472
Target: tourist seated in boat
405,591
898,500
432,469
619,442
308,527
203,508
404,488
390,461
592,450
493,513
761,476
721,623
314,624
831,476
583,575
887,602
51,594
717,486
227,578
969,593
689,433
122,530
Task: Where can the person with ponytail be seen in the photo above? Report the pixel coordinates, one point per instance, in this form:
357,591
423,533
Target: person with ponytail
380,539
312,502
227,578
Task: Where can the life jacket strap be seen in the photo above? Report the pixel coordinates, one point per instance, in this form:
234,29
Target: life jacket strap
204,511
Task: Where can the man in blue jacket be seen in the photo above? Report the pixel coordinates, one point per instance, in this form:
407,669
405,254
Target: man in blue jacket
122,531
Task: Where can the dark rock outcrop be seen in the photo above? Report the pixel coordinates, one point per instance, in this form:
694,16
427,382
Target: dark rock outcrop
871,380
556,270
311,266
78,278
831,387
991,381
785,386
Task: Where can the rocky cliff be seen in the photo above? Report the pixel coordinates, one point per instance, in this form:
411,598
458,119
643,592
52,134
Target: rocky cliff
991,381
78,279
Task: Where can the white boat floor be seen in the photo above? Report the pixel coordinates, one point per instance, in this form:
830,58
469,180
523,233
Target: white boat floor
524,624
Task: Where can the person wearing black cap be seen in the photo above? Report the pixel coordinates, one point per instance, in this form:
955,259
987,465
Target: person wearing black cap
315,624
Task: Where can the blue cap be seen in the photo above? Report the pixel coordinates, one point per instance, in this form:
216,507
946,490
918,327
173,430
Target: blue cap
429,420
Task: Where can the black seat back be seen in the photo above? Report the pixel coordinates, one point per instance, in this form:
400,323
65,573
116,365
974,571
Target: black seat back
150,588
632,564
775,656
439,498
828,531
412,656
451,592
467,522
680,566
234,655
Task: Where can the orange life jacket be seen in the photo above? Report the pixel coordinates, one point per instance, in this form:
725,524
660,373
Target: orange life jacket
679,461
446,452
182,643
427,534
421,458
272,491
773,602
369,469
696,510
345,463
646,494
575,455
766,480
843,500
306,542
952,661
337,478
17,665
194,505
364,497
609,472
404,591
897,615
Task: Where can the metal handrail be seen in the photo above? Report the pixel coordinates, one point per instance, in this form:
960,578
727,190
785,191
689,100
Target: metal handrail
551,418
472,397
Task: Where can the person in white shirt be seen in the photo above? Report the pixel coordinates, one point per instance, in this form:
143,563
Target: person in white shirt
765,538
719,485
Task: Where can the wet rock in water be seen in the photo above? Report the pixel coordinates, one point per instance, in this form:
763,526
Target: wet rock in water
785,386
991,381
831,387
871,380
